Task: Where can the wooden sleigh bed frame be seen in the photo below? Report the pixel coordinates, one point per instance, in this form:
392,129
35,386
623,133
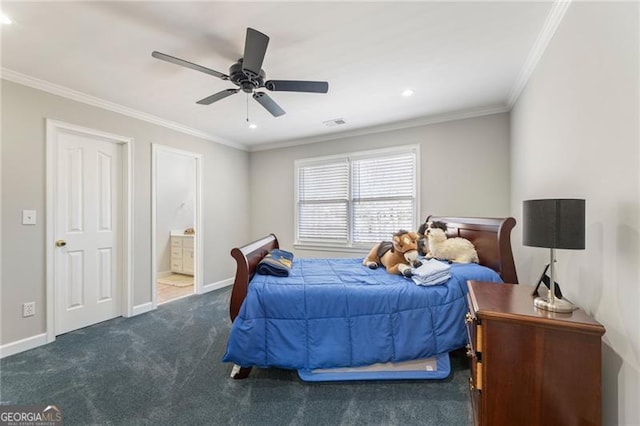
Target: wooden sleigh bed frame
490,236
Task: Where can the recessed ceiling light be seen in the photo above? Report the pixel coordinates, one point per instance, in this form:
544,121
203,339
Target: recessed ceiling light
253,126
4,19
407,93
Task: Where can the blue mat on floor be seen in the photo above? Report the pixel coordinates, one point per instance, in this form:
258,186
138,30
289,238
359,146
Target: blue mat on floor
437,367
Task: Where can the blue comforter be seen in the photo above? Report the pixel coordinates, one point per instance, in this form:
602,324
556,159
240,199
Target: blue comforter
337,313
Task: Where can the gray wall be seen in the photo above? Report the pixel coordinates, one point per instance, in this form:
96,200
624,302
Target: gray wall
575,133
464,172
24,110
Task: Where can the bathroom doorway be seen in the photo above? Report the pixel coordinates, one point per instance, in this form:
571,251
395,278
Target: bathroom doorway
176,215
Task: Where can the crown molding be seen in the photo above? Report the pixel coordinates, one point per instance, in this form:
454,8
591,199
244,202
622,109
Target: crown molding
423,121
556,14
25,80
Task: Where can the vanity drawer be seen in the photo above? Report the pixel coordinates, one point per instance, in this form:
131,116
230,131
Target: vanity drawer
176,265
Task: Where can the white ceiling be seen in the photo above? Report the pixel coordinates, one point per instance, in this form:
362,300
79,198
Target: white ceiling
460,58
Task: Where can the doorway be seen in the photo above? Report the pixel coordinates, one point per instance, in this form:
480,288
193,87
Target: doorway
88,227
176,236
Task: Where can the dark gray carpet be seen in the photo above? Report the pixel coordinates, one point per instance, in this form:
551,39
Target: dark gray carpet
164,367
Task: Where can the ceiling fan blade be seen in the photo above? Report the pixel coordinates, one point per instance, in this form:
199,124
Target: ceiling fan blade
255,47
217,96
268,104
188,64
297,86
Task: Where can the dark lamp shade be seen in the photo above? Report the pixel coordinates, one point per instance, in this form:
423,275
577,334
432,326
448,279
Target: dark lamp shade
554,223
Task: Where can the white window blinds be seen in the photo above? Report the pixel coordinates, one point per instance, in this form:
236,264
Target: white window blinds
360,198
323,196
383,195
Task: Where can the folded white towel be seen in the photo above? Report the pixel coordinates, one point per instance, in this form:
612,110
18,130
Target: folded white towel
430,267
433,280
431,272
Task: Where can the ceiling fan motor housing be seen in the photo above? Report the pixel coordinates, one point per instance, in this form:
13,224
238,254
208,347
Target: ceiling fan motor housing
247,82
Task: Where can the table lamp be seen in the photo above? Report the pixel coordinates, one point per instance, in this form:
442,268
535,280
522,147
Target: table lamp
555,224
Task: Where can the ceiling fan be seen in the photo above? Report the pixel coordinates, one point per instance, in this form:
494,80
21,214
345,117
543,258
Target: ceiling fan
249,76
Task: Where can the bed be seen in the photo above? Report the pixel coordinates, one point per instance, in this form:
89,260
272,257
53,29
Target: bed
332,314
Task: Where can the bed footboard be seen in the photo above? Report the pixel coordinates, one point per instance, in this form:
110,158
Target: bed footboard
247,258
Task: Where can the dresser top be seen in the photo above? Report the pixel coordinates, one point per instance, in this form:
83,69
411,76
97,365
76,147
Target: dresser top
514,302
181,234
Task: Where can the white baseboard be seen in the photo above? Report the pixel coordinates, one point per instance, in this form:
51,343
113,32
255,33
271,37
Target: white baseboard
217,285
141,309
23,345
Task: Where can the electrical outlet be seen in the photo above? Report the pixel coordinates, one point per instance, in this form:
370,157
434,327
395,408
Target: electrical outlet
28,309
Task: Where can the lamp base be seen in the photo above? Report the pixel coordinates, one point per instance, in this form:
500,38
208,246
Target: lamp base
555,305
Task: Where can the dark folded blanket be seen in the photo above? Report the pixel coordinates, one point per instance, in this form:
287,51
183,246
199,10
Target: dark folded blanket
277,262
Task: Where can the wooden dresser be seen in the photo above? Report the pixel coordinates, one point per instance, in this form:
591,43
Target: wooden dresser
529,366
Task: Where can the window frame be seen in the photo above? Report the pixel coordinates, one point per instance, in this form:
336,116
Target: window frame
350,246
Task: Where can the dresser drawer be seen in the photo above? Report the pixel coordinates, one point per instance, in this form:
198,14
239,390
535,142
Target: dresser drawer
474,350
176,242
176,253
176,265
474,346
475,379
476,403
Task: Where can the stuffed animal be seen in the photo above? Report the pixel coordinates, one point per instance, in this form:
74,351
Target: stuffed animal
423,244
397,256
456,249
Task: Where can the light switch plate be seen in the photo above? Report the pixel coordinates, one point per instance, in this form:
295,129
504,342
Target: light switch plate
28,217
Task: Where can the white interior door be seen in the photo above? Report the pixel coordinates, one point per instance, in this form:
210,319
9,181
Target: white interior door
88,229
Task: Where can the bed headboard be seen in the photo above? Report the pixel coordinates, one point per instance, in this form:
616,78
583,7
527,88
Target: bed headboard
491,238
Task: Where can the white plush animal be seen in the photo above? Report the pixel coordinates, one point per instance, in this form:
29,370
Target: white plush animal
456,249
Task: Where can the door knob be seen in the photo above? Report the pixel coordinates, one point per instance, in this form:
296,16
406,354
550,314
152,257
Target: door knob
61,243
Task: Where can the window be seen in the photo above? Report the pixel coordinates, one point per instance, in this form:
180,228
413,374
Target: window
357,199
